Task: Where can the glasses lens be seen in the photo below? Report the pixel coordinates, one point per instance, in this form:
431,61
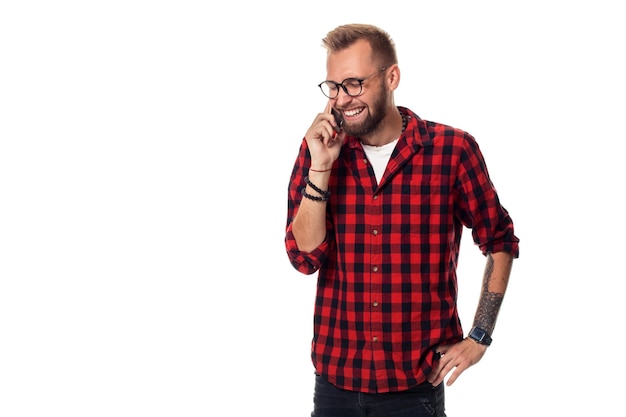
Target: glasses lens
353,86
329,89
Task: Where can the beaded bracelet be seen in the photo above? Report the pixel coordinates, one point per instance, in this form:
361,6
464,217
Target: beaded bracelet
313,197
316,188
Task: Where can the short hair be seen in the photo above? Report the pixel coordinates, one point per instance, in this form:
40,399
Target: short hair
342,37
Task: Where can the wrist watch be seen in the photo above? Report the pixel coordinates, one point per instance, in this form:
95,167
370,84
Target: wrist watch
480,336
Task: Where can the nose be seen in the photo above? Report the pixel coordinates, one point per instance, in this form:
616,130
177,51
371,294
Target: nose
342,97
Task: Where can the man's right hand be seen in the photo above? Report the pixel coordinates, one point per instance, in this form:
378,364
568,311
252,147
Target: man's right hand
323,142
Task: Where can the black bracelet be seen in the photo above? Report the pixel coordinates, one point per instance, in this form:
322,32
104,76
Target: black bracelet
313,197
316,188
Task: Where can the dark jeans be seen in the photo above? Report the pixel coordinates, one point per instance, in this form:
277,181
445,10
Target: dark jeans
421,401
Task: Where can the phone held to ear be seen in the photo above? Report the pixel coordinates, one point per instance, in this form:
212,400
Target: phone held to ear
338,120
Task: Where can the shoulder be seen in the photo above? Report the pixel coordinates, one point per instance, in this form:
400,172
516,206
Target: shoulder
432,133
446,133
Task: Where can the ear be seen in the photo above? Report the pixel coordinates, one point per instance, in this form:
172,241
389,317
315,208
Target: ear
393,77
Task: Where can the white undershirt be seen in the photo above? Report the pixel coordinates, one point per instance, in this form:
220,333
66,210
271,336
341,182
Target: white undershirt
379,157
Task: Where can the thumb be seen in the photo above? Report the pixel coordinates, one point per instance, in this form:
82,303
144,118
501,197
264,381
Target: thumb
443,349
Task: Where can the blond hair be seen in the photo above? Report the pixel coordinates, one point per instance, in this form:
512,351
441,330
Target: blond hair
342,37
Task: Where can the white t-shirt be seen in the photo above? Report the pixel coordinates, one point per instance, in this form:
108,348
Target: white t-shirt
379,157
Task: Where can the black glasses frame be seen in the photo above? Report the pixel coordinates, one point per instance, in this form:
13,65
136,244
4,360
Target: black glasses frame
349,80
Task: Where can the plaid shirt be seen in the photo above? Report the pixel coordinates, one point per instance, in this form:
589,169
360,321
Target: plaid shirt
387,285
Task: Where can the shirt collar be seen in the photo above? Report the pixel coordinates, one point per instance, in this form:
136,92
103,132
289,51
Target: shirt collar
415,134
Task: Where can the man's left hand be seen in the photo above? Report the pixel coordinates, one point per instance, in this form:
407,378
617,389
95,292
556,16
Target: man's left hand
456,358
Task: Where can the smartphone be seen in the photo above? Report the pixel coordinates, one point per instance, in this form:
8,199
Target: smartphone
338,120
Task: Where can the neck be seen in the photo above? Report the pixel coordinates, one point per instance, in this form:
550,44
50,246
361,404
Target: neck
389,130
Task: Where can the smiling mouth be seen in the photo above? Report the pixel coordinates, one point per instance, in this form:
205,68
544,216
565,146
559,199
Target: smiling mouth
353,112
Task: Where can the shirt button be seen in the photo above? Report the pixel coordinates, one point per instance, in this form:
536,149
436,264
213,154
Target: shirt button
374,339
374,232
375,197
375,269
375,303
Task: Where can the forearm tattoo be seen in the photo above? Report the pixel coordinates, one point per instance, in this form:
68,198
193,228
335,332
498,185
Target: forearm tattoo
489,303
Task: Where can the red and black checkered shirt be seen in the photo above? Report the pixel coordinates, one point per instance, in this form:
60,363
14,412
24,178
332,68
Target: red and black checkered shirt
387,285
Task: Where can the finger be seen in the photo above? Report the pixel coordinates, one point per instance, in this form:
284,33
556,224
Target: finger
436,377
328,134
339,137
450,367
333,120
434,374
337,140
445,365
457,371
453,377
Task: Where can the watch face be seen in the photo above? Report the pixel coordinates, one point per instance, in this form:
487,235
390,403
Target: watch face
477,334
480,336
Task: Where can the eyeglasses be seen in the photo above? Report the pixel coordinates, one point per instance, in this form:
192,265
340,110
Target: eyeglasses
351,86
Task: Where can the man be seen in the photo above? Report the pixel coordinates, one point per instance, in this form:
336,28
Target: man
377,202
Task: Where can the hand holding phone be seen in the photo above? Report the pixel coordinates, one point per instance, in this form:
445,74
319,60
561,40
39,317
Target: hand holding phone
338,120
325,132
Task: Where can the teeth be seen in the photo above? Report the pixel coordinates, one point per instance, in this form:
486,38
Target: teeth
353,112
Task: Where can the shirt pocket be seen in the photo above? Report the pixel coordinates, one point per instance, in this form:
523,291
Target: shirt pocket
430,209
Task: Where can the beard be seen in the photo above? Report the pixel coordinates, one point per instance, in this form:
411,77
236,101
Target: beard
375,116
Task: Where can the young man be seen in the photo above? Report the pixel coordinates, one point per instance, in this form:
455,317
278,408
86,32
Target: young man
377,202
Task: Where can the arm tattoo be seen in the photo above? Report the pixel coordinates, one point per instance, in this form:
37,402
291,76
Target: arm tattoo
489,303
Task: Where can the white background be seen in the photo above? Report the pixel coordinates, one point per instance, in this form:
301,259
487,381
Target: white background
145,152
